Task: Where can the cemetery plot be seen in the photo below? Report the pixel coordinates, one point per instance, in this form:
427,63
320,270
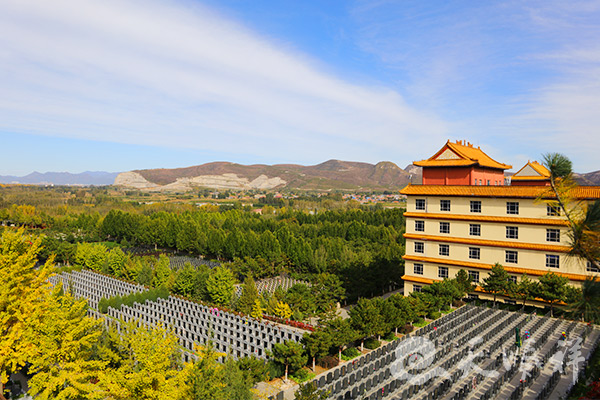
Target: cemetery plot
471,353
193,323
271,284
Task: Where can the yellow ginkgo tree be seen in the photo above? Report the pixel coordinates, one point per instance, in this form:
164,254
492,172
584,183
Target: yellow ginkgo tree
23,292
64,337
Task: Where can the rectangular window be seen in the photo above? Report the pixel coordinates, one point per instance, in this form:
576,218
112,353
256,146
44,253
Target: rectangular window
552,261
488,182
419,247
591,267
475,230
552,211
444,205
417,288
512,232
512,279
420,204
511,256
444,250
512,207
418,269
474,253
442,272
475,206
552,235
420,226
444,227
474,275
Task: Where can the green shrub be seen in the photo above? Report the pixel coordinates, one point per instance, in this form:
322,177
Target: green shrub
434,315
372,344
418,321
350,353
390,336
445,308
103,305
302,375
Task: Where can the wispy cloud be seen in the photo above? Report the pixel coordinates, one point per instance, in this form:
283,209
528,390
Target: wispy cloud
176,74
521,78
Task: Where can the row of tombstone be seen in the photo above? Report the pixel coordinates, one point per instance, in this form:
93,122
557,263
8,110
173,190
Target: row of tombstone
192,323
94,286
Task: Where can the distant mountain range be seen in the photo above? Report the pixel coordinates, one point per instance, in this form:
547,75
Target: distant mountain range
96,178
330,175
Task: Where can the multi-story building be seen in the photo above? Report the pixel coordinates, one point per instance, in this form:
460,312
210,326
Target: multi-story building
464,216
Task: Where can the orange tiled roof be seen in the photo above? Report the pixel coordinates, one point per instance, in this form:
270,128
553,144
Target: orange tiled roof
541,171
484,218
531,192
492,243
512,270
458,155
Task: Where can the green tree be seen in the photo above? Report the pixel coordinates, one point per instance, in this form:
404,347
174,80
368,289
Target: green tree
464,282
553,289
91,255
366,319
328,291
184,280
310,391
497,281
162,272
219,285
587,305
340,332
116,261
145,275
290,354
317,344
248,297
525,289
23,289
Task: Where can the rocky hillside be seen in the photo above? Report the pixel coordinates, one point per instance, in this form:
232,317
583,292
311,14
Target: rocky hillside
332,174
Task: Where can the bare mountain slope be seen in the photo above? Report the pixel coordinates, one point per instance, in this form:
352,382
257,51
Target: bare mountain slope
332,174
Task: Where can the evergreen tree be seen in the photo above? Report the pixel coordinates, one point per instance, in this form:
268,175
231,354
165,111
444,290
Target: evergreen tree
310,391
464,282
248,297
162,272
317,344
366,319
290,354
553,289
497,281
525,289
219,285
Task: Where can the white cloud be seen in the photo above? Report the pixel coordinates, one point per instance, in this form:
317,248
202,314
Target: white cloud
175,74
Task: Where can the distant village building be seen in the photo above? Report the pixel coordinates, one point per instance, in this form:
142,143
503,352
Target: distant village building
465,217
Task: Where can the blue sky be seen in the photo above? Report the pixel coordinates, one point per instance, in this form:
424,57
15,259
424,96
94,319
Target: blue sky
117,85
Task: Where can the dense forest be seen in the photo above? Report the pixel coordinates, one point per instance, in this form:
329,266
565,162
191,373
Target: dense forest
362,246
